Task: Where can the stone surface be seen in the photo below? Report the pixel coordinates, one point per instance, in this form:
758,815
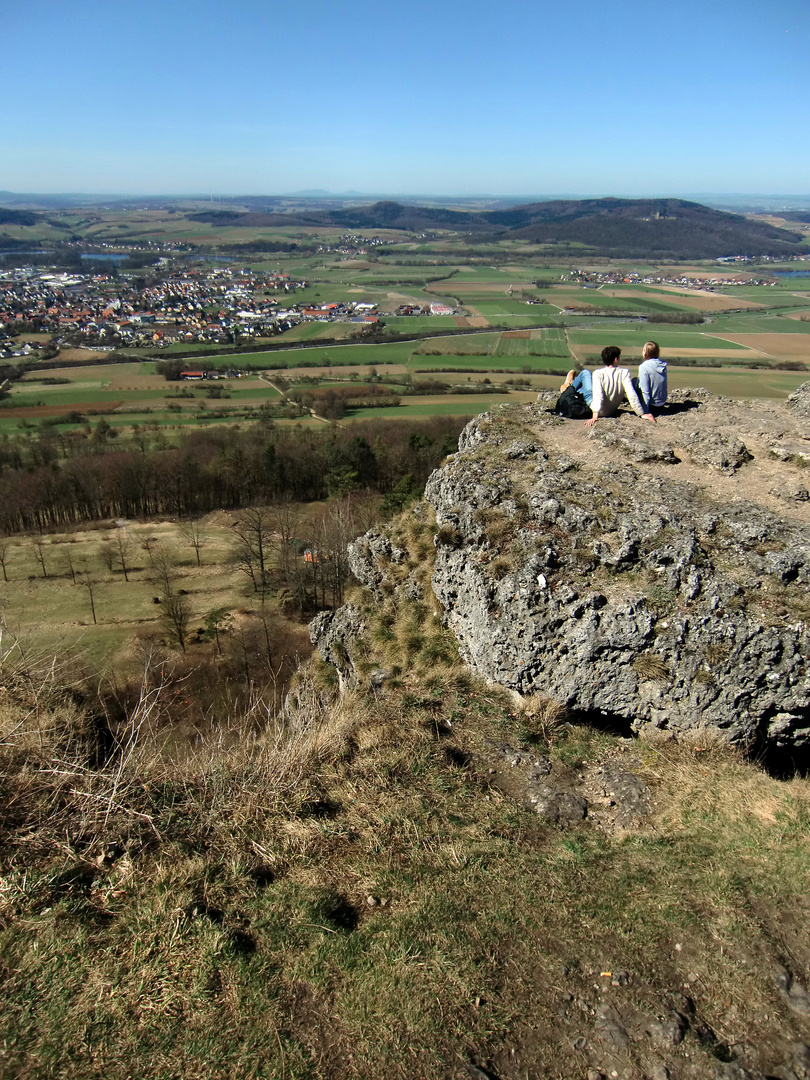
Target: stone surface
664,593
334,633
794,994
629,597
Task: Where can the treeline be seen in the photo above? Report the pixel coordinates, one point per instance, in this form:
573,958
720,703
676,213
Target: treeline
53,482
332,402
683,318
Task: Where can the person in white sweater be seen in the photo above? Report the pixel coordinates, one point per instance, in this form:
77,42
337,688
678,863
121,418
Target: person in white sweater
611,386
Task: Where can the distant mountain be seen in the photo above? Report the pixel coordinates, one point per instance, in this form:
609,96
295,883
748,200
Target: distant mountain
649,228
635,228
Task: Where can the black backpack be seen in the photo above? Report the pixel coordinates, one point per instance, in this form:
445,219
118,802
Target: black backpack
572,405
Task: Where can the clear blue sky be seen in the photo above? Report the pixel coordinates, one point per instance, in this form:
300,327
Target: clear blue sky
447,97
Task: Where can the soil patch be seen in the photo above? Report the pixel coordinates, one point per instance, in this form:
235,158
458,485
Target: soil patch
790,346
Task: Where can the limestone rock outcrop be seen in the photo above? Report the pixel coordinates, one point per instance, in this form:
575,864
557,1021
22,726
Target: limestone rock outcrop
644,576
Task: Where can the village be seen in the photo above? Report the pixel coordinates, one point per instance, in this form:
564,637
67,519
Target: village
621,276
216,306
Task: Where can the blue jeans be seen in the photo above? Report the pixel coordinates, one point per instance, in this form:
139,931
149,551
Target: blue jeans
584,383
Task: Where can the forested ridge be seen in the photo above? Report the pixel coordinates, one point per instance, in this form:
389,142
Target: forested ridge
49,481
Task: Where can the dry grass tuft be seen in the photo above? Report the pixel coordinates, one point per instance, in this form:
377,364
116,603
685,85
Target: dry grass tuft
651,667
542,716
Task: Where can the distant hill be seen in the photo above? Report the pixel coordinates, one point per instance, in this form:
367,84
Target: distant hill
643,228
657,228
17,217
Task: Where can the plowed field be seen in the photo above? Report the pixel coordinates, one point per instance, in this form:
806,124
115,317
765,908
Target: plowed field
782,346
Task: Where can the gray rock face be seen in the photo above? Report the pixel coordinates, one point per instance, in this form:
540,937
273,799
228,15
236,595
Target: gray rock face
368,557
635,573
621,593
800,400
334,632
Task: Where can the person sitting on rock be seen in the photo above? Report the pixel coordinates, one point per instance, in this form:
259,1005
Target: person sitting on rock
611,385
652,378
583,383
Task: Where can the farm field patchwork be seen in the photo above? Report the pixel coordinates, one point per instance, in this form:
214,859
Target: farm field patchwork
765,323
633,337
442,405
781,346
738,382
769,296
516,364
614,299
706,300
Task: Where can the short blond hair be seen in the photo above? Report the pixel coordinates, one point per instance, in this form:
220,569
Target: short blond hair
650,351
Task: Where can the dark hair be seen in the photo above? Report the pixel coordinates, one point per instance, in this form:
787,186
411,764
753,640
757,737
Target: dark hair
611,353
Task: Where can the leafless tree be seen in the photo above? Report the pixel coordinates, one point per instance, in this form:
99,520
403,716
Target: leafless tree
253,532
70,563
5,551
192,532
175,605
90,583
123,546
149,543
108,556
39,554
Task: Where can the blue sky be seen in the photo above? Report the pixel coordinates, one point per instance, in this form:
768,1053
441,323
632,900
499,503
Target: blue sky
447,97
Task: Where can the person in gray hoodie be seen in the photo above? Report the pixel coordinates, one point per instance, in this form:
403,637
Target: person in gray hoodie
652,378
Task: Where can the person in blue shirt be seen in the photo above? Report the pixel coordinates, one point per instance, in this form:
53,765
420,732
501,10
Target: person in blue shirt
652,378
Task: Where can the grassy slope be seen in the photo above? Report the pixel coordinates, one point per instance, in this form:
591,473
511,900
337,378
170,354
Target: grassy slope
353,899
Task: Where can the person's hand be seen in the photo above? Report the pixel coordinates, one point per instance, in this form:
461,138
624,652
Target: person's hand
591,422
648,416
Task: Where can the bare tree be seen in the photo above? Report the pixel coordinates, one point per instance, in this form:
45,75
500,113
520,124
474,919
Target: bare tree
175,604
286,522
253,531
70,563
108,556
123,546
39,554
340,524
192,532
90,583
5,551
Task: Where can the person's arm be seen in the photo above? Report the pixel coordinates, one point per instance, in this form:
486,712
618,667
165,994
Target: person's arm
596,400
645,386
632,397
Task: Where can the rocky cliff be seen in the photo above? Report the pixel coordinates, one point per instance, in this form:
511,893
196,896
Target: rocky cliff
646,577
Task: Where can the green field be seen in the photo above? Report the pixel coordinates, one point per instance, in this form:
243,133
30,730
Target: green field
482,364
627,337
770,296
738,383
757,323
413,408
599,299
